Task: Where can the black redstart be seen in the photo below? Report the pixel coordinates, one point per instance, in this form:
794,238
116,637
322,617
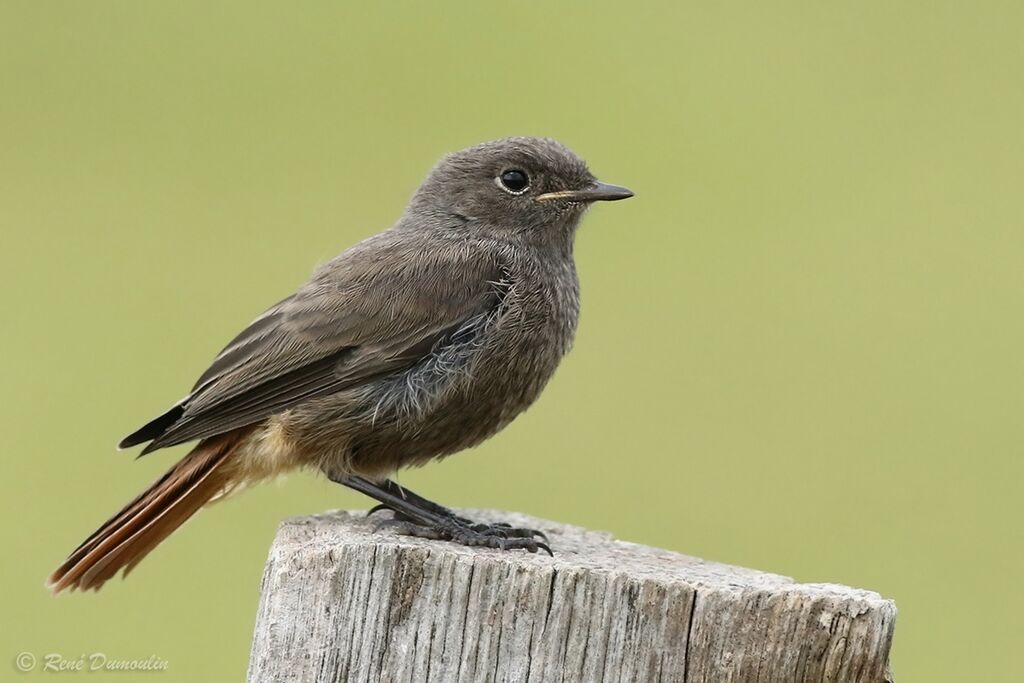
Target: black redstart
418,342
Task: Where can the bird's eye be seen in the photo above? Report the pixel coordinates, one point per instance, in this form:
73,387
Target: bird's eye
514,181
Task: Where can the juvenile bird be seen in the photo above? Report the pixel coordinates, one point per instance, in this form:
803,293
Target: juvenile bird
414,344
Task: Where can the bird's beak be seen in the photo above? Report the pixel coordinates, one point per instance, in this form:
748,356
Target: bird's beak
595,192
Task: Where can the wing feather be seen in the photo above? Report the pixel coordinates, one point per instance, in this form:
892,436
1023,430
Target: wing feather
378,308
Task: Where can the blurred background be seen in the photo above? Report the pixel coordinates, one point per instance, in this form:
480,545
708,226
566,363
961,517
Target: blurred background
800,346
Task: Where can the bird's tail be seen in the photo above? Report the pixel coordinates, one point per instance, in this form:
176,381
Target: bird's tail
129,535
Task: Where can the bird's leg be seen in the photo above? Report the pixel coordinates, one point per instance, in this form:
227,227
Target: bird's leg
417,516
422,503
498,528
394,491
419,501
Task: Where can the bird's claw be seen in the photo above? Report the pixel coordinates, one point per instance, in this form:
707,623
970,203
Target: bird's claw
505,530
377,508
417,516
476,535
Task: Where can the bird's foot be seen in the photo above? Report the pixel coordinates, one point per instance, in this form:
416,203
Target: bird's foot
497,529
417,516
500,536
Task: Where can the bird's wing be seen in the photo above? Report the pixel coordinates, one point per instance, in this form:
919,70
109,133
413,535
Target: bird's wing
377,309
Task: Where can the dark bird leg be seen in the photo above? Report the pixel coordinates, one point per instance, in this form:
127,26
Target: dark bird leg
396,489
424,504
417,516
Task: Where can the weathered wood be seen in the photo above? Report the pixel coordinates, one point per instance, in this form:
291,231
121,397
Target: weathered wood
342,602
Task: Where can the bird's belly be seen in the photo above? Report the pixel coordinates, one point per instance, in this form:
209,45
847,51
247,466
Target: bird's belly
461,416
433,410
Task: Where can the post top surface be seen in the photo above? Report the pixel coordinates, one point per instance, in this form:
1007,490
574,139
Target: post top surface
576,549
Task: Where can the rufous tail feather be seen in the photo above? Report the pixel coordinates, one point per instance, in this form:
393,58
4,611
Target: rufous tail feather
128,536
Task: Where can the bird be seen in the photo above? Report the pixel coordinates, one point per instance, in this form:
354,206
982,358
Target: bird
416,343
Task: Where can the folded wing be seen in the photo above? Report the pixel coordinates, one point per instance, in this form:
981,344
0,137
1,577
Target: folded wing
377,309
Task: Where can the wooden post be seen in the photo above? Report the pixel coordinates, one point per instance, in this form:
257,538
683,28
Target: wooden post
343,602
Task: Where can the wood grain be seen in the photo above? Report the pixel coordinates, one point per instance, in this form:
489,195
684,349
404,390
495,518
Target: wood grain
342,602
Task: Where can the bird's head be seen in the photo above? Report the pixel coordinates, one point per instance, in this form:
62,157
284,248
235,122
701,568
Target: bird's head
514,185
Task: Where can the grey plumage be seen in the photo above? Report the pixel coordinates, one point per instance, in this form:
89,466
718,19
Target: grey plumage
416,343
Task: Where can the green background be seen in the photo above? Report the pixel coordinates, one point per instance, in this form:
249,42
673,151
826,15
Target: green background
800,347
